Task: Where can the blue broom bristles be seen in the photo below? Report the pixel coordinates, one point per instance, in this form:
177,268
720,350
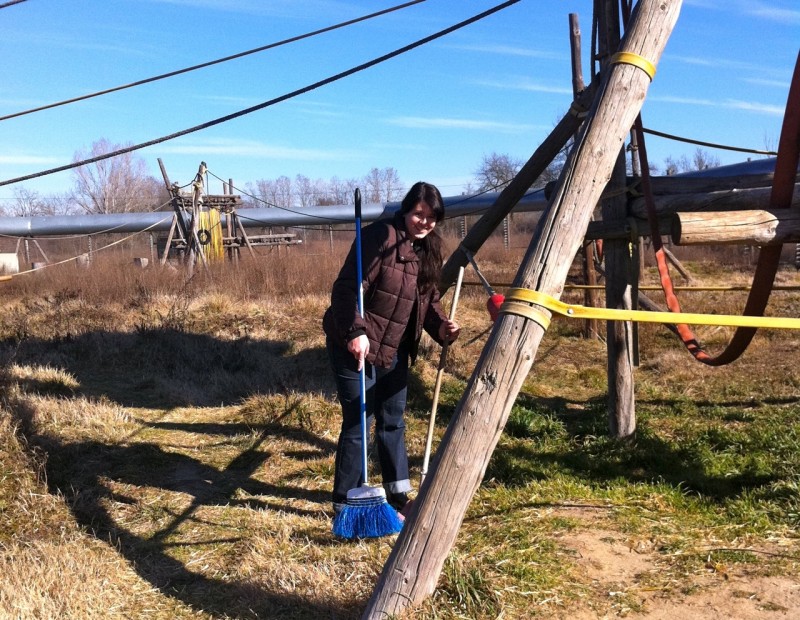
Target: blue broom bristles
366,517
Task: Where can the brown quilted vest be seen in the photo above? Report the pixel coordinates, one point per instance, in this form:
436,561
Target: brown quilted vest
390,267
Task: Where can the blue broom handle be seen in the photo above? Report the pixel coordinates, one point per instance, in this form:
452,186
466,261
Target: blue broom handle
362,374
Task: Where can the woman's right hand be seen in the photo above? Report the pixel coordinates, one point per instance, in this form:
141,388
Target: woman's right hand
359,347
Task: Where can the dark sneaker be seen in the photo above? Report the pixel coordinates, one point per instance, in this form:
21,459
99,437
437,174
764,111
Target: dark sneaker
398,501
406,510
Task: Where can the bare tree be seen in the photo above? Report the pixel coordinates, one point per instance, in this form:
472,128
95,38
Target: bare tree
701,160
377,186
496,171
324,193
372,185
382,185
61,204
770,143
337,191
350,189
115,185
392,187
26,203
676,166
262,194
283,192
305,190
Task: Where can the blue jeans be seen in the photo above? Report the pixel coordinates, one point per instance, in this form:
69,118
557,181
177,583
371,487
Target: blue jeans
386,402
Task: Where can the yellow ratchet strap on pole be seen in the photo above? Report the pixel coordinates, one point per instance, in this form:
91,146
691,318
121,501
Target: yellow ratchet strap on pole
629,58
518,301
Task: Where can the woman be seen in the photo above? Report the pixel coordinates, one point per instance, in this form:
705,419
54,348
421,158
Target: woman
402,261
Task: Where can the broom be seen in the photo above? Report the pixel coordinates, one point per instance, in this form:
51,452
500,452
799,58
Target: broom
366,513
438,385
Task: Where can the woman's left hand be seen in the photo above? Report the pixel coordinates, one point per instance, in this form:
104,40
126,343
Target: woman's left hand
449,330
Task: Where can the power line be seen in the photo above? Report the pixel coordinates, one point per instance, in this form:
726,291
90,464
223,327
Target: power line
209,63
8,4
266,104
708,144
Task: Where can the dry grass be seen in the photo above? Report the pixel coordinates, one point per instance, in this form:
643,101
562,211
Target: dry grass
167,452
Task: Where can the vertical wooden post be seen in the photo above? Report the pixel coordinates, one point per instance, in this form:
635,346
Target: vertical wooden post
169,239
416,560
587,254
194,241
637,173
178,223
621,270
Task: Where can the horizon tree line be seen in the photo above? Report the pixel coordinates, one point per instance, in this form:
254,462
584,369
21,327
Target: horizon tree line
122,185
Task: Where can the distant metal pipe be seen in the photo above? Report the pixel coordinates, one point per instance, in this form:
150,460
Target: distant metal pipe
57,225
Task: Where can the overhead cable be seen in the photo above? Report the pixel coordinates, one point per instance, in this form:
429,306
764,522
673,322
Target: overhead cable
266,104
209,63
708,144
7,4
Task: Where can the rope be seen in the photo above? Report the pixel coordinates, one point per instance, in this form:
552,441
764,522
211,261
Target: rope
266,104
209,63
100,249
209,221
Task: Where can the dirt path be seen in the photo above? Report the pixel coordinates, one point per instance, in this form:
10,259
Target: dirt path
613,566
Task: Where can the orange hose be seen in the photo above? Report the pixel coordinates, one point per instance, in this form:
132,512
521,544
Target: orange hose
781,198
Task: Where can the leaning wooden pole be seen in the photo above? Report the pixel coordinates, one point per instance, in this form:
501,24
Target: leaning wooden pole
413,567
514,191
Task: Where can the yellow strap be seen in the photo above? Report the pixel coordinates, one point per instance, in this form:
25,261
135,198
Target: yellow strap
529,312
629,58
658,287
516,295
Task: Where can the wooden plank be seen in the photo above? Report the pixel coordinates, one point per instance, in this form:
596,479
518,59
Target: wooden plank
756,227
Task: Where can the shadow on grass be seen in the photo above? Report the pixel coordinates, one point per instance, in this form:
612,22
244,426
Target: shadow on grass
167,368
554,439
85,473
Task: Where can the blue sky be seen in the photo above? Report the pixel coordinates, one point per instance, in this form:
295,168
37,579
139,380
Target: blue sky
498,85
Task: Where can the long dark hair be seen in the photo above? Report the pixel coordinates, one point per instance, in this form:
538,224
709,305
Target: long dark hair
431,245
